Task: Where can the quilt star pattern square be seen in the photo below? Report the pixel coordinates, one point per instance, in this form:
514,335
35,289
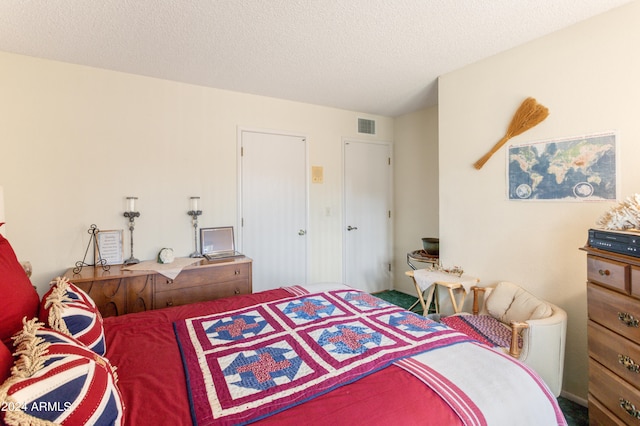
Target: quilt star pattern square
250,363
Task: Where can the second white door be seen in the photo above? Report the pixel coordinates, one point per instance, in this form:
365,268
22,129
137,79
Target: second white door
367,227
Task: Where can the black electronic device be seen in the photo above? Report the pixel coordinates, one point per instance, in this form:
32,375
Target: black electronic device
615,241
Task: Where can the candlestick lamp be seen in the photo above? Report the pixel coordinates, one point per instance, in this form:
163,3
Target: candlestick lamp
194,212
131,213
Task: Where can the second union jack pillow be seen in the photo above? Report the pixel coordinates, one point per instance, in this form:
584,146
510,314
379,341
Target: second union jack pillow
68,309
57,379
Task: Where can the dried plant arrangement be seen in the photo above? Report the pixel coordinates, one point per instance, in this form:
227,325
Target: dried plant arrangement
624,216
529,114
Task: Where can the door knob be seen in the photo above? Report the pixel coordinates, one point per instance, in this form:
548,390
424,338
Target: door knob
302,232
351,228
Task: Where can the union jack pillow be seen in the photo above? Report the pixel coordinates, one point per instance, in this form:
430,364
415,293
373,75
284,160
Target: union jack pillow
57,379
70,310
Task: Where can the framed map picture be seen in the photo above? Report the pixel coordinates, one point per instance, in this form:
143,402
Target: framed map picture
582,168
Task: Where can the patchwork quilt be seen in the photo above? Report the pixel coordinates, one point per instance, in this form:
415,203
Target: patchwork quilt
250,363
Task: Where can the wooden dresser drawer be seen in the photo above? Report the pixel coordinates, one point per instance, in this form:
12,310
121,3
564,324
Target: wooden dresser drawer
608,273
108,295
614,310
635,281
600,416
615,394
615,352
121,295
186,295
204,275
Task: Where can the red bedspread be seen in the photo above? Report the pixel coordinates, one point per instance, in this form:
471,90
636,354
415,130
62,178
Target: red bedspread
153,385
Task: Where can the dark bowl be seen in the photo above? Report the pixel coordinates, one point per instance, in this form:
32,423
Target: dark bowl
431,246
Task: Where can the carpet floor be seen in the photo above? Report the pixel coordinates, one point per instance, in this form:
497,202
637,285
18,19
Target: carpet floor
576,414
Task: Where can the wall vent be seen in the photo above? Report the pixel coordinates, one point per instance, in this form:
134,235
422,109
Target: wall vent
366,126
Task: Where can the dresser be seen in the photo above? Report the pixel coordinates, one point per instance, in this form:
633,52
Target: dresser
118,292
613,297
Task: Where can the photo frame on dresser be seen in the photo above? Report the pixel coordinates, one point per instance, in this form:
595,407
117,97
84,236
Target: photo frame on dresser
109,246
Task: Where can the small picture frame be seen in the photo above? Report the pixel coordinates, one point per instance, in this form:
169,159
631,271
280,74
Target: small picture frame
109,247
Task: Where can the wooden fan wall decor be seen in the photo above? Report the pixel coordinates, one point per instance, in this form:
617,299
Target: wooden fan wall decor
529,114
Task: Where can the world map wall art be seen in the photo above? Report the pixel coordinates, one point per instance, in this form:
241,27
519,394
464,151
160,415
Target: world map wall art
582,168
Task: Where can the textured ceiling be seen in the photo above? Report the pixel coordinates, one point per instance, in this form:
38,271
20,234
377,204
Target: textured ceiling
373,56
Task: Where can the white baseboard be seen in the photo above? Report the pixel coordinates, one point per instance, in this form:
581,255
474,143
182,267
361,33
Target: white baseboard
574,398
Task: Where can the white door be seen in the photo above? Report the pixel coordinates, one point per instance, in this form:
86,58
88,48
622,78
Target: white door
367,227
273,210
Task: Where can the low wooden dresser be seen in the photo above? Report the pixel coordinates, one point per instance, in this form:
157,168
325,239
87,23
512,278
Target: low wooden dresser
613,297
118,292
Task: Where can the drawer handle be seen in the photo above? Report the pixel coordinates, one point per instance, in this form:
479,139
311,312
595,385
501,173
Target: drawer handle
236,272
629,408
628,319
169,303
605,272
628,363
237,291
169,281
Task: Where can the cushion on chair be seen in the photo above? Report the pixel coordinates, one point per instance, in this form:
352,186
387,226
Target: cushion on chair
18,298
483,328
509,302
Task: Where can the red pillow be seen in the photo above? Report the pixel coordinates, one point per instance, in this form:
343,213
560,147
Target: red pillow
18,298
6,362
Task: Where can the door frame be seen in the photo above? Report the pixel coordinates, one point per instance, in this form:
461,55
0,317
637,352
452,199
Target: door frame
389,144
240,130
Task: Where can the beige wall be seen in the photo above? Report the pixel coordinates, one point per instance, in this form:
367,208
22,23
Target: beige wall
587,76
74,141
415,188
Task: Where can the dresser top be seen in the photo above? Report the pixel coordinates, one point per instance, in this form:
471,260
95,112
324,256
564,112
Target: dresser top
631,260
92,273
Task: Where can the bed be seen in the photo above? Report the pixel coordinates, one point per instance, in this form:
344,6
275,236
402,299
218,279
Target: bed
142,363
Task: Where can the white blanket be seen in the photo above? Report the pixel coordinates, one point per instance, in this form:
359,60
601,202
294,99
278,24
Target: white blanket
487,387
